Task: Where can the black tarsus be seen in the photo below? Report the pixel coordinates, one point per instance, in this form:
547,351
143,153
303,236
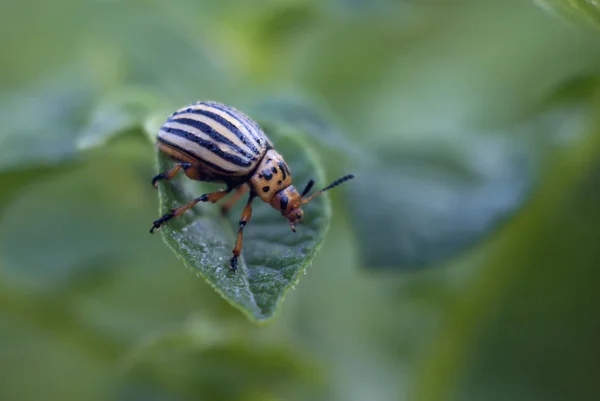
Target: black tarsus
162,176
157,223
233,263
157,178
168,216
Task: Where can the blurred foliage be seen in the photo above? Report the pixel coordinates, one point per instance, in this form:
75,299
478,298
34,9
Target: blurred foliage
471,126
587,11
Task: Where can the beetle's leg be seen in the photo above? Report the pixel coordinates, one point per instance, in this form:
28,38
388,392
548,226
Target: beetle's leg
167,175
210,197
246,214
234,198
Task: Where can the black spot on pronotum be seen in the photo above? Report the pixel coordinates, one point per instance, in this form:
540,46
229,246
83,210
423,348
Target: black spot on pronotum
266,189
283,202
267,174
282,168
274,170
287,169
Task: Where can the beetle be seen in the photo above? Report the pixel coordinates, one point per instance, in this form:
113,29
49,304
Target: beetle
213,142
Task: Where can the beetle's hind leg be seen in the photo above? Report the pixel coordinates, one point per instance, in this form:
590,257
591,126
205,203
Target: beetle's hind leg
234,198
167,175
212,197
246,214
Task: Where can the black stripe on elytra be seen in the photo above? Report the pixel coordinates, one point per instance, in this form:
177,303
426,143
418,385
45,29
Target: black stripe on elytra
283,202
224,122
211,132
210,146
250,125
283,169
195,157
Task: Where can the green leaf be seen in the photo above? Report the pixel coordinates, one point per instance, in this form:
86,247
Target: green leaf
292,111
443,196
585,11
79,202
218,360
273,257
438,197
126,108
23,342
40,124
54,121
540,278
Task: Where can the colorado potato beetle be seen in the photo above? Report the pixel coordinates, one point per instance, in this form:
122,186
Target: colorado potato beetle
213,142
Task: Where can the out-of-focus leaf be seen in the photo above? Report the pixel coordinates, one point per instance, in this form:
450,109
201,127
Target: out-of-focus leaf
40,125
432,202
52,358
123,109
553,354
273,257
55,118
140,391
443,196
368,8
417,87
170,51
52,122
306,116
574,90
224,361
14,180
538,277
586,11
86,206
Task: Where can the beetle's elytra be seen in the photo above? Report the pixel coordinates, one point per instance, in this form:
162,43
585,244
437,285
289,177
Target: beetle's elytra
216,143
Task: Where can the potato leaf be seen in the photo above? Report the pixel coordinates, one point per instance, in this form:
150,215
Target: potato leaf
273,257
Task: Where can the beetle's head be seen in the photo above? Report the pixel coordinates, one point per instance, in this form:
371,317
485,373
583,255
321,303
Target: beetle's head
288,201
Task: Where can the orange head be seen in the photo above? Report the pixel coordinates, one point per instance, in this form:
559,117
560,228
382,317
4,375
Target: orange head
288,200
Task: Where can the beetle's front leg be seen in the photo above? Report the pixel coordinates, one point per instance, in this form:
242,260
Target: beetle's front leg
167,175
246,214
210,197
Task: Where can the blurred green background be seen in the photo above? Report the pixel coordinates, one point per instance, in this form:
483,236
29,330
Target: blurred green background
460,264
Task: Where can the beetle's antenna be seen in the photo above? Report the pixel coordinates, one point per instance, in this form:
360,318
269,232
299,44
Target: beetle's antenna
307,188
328,187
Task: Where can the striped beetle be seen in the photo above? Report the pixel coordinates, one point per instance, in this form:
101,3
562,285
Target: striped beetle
213,142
